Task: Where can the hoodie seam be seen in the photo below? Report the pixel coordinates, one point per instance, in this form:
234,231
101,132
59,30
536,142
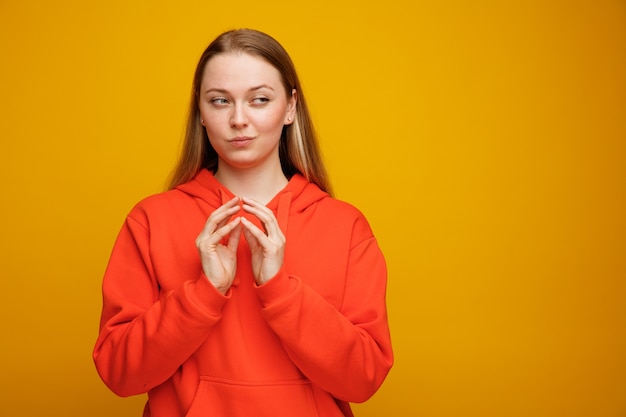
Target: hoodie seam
144,227
372,237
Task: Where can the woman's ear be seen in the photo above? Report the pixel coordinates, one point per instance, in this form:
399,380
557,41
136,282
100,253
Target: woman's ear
291,107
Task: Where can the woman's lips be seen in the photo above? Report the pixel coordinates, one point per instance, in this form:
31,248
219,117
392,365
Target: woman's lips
240,141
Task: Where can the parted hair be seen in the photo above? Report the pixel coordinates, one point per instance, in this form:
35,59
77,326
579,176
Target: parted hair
298,150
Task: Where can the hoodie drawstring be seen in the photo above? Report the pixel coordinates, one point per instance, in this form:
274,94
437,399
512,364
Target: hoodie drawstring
282,213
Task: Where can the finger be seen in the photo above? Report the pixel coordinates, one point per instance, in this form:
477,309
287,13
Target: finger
265,215
225,230
228,207
214,238
220,216
224,211
235,235
252,231
255,205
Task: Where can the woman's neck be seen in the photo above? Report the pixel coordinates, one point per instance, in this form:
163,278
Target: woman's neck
260,184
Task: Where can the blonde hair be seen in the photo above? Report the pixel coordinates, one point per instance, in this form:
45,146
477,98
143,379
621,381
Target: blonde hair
299,150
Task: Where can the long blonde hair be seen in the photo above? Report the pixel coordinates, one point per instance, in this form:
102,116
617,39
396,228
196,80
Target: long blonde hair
299,150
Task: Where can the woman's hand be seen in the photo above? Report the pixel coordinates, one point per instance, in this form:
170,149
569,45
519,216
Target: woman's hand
267,250
219,261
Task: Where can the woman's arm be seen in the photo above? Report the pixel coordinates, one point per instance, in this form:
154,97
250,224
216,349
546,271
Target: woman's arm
345,351
144,336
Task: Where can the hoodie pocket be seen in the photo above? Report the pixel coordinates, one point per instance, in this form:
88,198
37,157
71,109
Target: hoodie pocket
224,398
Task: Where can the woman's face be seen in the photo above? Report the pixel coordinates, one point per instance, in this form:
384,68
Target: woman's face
244,106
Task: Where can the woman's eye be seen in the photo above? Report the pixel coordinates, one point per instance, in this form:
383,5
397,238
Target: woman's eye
219,101
260,100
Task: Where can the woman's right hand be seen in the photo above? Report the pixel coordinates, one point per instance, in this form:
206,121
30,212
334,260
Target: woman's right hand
219,261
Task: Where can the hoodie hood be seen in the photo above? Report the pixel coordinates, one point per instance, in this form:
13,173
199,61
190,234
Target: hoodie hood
297,196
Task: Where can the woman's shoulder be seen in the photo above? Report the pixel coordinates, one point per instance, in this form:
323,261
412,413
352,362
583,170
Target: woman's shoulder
163,198
344,213
160,203
340,207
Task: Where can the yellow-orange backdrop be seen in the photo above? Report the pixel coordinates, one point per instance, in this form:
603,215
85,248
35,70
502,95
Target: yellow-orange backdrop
485,141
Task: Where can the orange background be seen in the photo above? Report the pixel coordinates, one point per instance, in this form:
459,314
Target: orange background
484,140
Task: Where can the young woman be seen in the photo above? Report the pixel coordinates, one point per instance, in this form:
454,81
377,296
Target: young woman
246,289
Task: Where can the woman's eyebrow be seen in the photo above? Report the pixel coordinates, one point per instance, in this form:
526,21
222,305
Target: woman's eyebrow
261,87
224,91
216,90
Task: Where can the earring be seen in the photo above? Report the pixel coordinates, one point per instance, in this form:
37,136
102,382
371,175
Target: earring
288,119
202,122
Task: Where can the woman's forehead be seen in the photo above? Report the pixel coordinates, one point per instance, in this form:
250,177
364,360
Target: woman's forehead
239,71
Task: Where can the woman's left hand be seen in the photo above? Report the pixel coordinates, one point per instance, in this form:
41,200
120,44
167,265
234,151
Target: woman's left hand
267,249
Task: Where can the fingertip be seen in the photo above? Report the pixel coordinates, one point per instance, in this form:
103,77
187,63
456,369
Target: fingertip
249,201
247,224
234,201
237,222
247,232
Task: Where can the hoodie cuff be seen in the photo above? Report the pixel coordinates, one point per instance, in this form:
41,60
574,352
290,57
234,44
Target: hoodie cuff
276,288
206,297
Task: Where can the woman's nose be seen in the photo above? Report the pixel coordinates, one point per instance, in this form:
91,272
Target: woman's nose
238,117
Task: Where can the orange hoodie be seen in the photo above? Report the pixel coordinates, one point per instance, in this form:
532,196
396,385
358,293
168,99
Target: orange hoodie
306,343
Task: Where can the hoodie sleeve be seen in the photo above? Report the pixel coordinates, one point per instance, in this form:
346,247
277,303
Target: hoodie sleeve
346,351
144,336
